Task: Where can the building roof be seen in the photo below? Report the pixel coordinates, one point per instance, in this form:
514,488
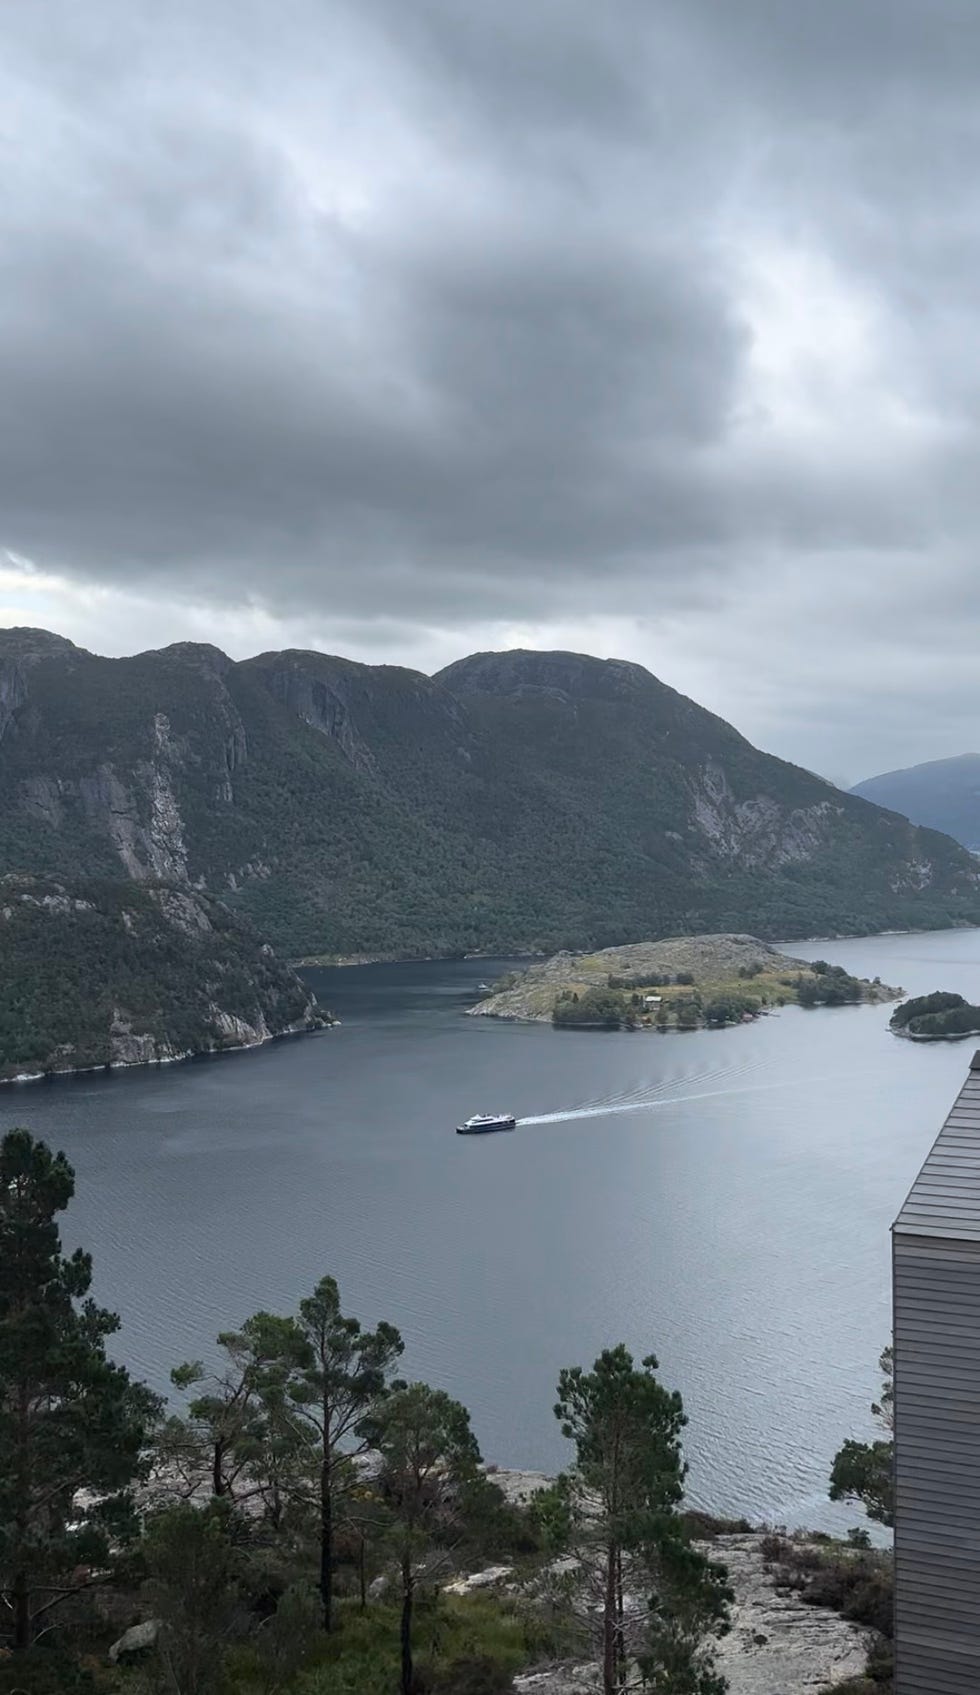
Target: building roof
945,1198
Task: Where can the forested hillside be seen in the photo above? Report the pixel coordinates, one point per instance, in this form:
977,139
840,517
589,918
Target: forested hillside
109,973
519,800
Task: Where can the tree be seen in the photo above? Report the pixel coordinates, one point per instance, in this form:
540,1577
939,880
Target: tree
623,1498
70,1419
194,1589
688,1013
864,1471
597,1007
343,1374
429,1478
238,1433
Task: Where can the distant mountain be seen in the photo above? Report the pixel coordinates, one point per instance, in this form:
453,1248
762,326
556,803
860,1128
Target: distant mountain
127,974
943,794
513,801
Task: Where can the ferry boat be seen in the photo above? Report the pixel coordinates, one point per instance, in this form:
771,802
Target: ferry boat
482,1122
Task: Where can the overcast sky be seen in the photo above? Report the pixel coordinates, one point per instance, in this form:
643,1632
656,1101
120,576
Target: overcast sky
403,328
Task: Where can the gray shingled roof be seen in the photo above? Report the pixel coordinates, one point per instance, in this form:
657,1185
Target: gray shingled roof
945,1198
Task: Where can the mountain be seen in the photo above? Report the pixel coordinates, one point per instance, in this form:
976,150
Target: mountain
128,974
943,793
513,801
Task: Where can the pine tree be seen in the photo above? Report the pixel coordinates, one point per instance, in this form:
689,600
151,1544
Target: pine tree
345,1372
239,1436
622,1499
429,1475
70,1419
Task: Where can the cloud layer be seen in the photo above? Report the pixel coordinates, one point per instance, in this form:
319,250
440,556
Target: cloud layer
403,329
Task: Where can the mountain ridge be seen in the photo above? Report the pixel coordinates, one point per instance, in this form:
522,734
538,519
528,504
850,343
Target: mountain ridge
517,800
941,794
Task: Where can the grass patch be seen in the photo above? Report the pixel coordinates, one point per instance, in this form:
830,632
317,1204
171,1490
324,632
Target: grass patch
467,1643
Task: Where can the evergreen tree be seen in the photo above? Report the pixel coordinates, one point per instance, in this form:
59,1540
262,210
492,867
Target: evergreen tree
70,1419
239,1434
344,1372
429,1478
623,1498
863,1471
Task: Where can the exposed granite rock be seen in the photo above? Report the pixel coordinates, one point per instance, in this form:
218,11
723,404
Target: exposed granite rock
779,1645
559,1680
23,648
135,1641
472,1582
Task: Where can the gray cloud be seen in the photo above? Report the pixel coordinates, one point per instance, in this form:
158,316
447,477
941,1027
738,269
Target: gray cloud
440,318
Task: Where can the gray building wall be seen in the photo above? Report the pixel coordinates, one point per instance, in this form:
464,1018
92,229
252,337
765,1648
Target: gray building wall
936,1281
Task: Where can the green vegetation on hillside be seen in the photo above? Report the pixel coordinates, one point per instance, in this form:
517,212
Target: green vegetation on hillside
936,1016
291,1528
516,801
96,973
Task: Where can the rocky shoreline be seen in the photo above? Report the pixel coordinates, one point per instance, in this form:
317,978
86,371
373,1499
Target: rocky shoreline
163,1054
779,1644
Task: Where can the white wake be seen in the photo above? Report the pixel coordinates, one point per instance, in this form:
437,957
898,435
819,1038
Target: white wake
651,1103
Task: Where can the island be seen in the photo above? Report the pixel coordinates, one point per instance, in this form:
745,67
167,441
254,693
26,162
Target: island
939,1017
680,983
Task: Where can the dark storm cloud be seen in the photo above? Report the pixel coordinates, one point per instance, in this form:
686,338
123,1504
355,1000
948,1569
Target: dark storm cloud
447,315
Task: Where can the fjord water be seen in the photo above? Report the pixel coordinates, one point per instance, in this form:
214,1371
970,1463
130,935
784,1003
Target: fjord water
721,1198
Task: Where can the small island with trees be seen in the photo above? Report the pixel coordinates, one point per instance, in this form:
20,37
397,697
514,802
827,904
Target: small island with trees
682,983
939,1017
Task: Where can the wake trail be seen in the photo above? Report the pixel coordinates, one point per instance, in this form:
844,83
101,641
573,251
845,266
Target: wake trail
651,1105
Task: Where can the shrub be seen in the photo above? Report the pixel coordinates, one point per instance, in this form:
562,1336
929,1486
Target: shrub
476,1675
597,1007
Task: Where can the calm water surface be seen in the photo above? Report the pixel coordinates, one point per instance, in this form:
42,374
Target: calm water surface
720,1198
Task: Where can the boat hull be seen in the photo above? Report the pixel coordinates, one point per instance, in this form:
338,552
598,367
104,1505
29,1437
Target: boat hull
486,1129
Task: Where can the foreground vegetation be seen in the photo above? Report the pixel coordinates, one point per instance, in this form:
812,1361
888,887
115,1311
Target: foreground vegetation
291,1528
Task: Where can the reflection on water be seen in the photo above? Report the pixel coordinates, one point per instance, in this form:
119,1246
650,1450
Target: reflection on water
722,1198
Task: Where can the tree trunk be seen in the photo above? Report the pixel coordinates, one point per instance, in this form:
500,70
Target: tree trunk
217,1470
407,1598
326,1545
362,1572
620,1623
610,1678
22,1613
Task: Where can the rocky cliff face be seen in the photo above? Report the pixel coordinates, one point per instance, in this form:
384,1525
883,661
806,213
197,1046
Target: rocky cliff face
103,974
520,800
